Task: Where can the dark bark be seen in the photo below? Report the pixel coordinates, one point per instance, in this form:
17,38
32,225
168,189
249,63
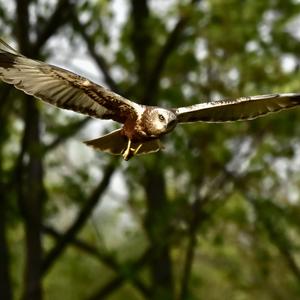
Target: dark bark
4,107
141,38
30,177
5,282
190,252
156,224
29,168
112,286
23,24
31,200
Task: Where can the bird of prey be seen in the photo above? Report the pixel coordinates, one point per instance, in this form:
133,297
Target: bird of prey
142,125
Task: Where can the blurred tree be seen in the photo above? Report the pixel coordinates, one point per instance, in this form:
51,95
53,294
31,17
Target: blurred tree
216,216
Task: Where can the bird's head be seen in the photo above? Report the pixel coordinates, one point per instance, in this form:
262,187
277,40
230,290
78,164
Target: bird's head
159,121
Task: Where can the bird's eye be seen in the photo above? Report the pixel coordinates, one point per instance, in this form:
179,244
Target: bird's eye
161,117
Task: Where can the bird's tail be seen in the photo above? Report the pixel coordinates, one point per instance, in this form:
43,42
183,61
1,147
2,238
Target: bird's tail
116,143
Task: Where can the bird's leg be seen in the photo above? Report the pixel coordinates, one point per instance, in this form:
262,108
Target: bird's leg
126,153
137,149
130,152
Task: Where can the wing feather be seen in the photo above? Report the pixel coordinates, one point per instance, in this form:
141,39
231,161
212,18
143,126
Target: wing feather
245,108
62,88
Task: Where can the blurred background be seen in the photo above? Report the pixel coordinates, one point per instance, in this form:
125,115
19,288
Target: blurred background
214,216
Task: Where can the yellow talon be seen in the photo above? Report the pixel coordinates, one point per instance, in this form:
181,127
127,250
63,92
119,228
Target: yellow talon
126,153
129,152
137,149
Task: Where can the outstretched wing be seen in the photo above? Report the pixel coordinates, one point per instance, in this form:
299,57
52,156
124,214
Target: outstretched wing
62,88
245,108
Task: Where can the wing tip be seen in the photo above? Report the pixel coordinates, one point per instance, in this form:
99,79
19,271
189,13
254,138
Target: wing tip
7,48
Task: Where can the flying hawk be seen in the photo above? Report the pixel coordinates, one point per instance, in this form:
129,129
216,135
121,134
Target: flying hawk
142,125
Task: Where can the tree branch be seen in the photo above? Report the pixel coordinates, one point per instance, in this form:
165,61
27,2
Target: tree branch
108,260
31,199
23,24
31,190
6,291
170,45
277,238
72,129
141,38
56,20
274,235
122,277
109,288
4,96
100,60
199,216
190,252
157,227
80,220
81,245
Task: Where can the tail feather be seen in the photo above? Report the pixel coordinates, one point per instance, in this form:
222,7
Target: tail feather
115,143
149,147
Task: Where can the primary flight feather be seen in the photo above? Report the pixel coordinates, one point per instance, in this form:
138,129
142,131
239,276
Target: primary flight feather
143,125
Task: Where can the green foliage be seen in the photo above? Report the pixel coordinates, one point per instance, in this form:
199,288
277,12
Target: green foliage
222,200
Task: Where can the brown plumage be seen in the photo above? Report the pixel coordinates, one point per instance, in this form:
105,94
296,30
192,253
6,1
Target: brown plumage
143,125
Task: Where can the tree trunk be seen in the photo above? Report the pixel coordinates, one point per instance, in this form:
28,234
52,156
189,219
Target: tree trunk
5,282
31,199
157,228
